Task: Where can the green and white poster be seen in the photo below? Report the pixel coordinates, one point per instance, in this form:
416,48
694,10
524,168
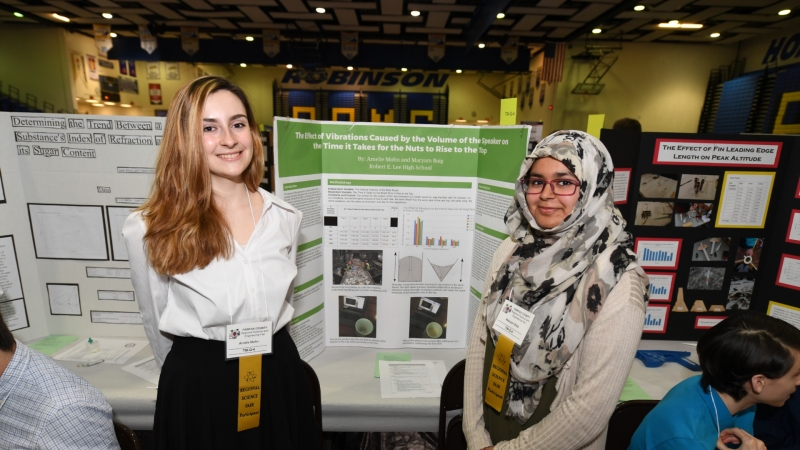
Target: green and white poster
400,223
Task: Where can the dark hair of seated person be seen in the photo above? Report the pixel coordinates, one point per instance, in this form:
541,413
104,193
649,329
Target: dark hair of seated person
745,345
6,338
627,124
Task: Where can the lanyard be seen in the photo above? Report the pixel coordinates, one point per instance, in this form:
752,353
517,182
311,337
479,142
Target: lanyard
260,261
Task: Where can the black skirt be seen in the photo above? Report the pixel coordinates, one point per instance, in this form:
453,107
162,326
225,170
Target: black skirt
197,403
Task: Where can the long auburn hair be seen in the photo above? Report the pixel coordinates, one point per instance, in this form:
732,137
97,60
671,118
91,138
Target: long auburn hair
185,227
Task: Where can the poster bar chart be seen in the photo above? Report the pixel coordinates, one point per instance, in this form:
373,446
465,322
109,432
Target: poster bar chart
660,255
658,290
651,321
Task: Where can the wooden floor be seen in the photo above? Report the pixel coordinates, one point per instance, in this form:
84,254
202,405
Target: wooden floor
707,192
657,186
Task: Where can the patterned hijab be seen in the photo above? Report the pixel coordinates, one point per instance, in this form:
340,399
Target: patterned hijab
563,274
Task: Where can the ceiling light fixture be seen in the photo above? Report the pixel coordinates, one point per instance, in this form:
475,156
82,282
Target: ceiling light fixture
500,15
249,38
113,35
125,105
481,45
638,8
415,13
321,10
784,12
60,17
98,104
404,69
676,24
288,66
482,121
108,16
458,70
91,100
242,64
349,67
18,14
461,120
714,35
109,103
597,31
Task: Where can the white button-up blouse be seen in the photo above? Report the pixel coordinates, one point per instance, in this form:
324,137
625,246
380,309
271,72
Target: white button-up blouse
255,285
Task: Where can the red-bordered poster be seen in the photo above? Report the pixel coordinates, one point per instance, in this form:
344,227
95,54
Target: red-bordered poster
655,319
793,232
706,322
658,253
703,152
789,272
661,286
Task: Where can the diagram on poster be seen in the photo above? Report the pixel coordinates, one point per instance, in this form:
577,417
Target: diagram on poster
68,231
744,200
10,281
65,299
789,272
116,220
442,271
409,269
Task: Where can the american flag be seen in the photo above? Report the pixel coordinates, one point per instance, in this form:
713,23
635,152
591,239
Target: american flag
553,65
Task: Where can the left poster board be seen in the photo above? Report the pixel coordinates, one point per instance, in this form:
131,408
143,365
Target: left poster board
69,181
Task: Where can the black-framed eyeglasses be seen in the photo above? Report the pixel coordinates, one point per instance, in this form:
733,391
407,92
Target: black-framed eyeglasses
533,185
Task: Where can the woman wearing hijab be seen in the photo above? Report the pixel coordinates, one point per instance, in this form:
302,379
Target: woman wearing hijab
569,262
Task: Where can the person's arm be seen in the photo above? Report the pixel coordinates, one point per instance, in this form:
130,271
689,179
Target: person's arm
742,439
81,425
472,422
151,288
608,351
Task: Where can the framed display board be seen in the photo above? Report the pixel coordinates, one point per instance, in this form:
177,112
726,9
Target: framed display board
716,223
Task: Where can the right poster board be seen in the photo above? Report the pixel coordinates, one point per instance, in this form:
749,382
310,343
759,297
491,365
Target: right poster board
716,222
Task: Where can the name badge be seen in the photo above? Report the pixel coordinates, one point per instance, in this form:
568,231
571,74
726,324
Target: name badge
513,322
247,339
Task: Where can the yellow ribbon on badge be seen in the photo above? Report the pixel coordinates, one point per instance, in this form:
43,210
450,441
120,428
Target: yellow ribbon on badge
498,375
249,392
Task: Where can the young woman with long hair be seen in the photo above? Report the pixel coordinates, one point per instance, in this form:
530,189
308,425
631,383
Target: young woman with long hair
210,249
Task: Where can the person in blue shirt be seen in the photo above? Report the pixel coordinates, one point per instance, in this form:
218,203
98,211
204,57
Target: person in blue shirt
779,428
747,359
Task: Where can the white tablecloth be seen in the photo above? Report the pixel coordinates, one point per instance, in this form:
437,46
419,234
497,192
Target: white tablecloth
351,395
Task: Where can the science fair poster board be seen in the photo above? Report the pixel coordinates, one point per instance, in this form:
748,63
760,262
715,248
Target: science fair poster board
400,223
69,183
703,210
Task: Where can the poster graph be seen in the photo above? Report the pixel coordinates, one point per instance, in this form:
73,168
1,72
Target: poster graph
427,230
